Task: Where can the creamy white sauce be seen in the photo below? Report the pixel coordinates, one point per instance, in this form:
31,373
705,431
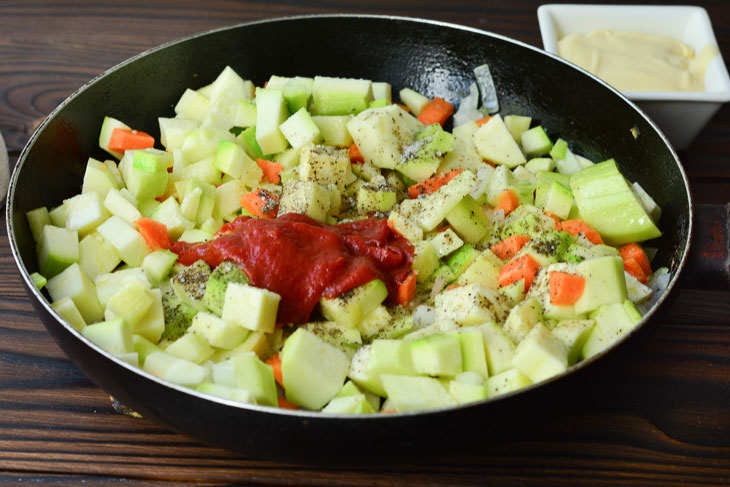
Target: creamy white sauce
631,61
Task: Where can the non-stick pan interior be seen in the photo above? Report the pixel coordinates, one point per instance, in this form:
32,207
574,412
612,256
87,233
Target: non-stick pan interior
432,58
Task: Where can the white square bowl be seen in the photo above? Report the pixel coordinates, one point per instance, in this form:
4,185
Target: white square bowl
679,114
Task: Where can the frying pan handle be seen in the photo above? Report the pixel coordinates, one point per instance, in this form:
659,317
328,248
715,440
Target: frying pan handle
709,260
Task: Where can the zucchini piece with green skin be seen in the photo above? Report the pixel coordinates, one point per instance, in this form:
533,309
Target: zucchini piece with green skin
313,371
607,203
114,336
231,159
413,100
271,112
507,381
192,105
383,356
462,259
540,355
176,370
85,212
248,140
469,220
296,95
613,321
58,248
215,288
535,142
416,393
38,280
118,205
173,130
573,333
226,392
494,142
350,308
381,134
340,96
425,260
499,348
517,124
325,165
437,355
334,129
345,339
107,127
473,353
37,219
131,302
300,129
375,198
306,197
245,114
484,270
420,159
605,283
216,331
74,283
434,207
69,312
190,347
251,307
98,178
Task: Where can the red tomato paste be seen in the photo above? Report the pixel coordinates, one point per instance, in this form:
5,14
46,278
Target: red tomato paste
302,259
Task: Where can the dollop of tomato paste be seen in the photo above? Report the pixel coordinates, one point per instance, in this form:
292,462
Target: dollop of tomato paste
302,259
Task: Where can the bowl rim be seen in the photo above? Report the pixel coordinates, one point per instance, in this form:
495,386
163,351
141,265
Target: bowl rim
545,17
302,413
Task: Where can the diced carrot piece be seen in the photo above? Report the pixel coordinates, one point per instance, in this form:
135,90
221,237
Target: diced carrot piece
406,290
574,227
260,202
524,267
634,251
508,248
271,170
284,404
565,288
634,268
124,139
437,110
483,121
388,411
355,155
408,110
154,233
508,201
275,363
431,185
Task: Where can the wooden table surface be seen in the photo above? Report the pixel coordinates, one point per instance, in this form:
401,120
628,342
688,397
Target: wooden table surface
662,419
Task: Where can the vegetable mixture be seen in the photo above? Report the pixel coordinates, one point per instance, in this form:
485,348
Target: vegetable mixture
314,244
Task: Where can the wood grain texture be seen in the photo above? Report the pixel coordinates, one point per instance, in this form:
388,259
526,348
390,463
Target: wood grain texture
662,419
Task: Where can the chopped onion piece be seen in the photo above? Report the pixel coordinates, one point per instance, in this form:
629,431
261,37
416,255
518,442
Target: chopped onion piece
438,285
423,316
658,283
486,86
484,174
468,107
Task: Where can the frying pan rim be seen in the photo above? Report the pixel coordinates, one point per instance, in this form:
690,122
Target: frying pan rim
40,298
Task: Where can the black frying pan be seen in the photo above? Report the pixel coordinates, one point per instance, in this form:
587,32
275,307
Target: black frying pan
431,57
